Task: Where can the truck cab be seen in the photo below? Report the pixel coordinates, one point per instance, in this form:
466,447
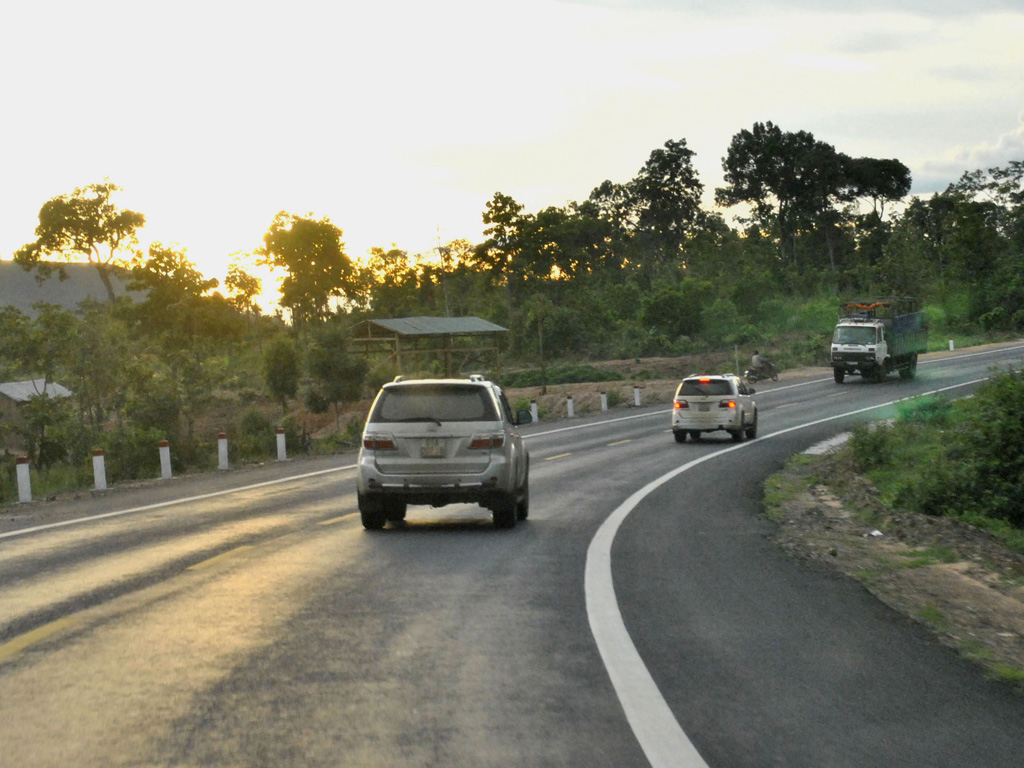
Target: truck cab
875,337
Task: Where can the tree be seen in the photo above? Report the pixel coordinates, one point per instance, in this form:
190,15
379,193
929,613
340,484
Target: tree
666,195
281,367
314,256
499,253
881,181
243,288
84,224
336,375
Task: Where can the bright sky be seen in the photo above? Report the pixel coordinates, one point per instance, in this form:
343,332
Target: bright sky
400,120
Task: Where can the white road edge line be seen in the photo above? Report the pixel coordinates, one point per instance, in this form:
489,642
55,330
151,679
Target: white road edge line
655,727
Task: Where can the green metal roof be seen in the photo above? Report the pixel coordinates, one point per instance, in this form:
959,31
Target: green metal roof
437,326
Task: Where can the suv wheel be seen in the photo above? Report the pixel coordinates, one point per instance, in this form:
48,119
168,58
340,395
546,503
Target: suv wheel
523,505
394,510
372,511
751,431
505,512
679,435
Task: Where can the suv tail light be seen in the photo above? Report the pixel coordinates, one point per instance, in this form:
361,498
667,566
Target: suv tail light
379,443
484,442
727,404
680,404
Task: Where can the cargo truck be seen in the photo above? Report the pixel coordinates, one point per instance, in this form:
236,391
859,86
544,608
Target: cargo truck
875,337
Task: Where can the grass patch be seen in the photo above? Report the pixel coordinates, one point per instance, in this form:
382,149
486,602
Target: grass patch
935,618
781,488
1005,673
921,558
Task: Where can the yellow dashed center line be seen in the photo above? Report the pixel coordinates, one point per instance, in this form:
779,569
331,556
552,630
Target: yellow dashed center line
20,643
559,456
334,520
218,558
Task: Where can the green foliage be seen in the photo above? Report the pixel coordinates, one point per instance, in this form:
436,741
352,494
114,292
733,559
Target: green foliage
132,453
312,253
281,369
974,451
85,224
561,374
257,436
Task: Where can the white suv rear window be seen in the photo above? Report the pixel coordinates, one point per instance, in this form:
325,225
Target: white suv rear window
430,402
694,387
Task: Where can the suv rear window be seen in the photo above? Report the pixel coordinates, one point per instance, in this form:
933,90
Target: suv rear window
710,387
430,402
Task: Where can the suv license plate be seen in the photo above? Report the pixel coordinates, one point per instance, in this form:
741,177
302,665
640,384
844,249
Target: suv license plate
704,406
432,448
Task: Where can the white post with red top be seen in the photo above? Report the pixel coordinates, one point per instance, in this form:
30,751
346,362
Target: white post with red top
99,470
24,480
165,460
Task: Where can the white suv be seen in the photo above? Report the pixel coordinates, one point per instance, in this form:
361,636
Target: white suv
438,441
710,402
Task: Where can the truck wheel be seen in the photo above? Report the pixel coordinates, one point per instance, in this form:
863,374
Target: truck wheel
839,375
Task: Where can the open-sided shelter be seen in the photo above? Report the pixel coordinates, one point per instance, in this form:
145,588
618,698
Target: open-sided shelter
453,340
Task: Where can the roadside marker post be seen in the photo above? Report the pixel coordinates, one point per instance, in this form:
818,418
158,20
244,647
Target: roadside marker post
282,454
222,451
24,480
165,460
99,470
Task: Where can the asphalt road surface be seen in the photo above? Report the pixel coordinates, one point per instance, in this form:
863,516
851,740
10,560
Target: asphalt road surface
640,617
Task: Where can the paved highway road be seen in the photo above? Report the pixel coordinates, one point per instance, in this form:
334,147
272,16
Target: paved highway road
640,617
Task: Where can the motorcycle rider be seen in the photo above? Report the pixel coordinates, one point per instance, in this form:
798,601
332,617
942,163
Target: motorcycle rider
756,362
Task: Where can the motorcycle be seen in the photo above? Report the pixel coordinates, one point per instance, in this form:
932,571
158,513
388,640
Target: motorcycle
765,372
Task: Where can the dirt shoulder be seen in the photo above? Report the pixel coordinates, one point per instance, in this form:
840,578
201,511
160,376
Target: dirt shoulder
957,580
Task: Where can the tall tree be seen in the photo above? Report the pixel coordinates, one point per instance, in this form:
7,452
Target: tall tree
84,224
313,254
281,370
666,194
763,169
335,374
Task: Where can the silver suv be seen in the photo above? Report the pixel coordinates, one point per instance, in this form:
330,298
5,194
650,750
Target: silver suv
438,441
711,402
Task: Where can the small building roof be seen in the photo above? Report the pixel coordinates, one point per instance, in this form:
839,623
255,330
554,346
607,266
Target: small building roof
23,391
437,326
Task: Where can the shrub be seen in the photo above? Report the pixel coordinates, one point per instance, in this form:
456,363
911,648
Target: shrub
132,453
257,436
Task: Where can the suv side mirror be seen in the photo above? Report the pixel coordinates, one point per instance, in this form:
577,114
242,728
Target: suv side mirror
523,417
